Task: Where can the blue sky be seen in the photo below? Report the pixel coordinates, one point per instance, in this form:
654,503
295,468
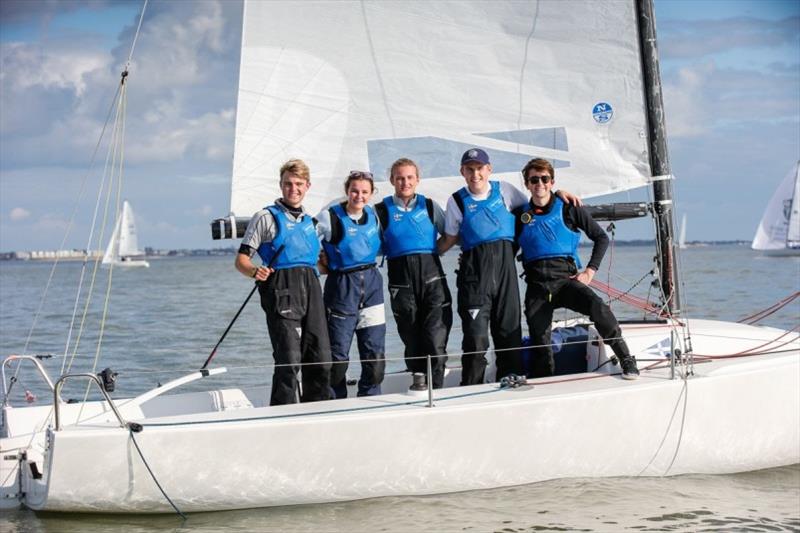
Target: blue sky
730,70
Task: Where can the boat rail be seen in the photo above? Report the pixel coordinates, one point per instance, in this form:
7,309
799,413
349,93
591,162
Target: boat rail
91,377
33,359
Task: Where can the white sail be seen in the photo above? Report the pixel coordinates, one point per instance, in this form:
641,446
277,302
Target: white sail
356,85
123,247
779,229
112,250
682,236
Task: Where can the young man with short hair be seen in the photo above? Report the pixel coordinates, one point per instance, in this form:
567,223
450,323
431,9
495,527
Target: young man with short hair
290,291
488,295
548,232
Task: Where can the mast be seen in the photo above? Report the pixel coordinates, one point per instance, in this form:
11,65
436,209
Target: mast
659,157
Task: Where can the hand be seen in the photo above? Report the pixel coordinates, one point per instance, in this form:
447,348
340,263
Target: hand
569,198
262,273
584,277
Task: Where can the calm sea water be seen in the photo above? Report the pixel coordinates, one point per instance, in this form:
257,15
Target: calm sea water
163,321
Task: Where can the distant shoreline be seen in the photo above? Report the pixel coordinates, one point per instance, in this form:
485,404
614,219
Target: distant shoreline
152,253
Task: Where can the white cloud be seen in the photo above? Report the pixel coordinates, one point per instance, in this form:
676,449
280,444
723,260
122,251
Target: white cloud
19,213
65,67
701,38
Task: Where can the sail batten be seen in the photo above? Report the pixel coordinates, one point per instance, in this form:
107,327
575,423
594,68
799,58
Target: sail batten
356,85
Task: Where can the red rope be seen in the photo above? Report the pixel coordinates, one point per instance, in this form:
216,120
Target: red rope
752,319
617,294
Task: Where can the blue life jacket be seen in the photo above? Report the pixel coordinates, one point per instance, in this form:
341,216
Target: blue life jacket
484,220
300,241
548,236
408,232
360,243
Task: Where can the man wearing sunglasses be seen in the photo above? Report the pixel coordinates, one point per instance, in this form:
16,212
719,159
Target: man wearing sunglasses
548,233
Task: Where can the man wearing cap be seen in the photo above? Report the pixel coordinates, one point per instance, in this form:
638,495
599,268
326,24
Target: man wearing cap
488,295
286,237
549,231
420,298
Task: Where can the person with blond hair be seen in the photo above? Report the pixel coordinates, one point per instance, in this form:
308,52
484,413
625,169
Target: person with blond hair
418,291
285,237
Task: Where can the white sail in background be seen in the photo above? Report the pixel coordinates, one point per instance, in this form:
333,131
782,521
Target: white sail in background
682,236
779,229
123,247
356,85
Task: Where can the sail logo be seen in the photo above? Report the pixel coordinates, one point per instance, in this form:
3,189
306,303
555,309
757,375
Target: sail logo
602,112
662,348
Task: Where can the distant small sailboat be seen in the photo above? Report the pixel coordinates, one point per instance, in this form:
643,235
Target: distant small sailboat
123,248
682,237
778,232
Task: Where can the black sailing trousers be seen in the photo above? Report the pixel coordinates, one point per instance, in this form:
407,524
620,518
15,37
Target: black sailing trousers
488,299
292,301
542,298
423,311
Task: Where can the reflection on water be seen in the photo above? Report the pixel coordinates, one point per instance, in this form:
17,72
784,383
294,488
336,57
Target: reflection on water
767,500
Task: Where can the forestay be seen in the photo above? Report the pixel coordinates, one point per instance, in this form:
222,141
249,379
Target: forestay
355,85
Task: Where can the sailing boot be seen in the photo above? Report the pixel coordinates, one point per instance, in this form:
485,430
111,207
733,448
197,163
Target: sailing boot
629,368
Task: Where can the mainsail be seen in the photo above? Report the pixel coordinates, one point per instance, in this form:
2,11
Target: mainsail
356,85
123,247
779,229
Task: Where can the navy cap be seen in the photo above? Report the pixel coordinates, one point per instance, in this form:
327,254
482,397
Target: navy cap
475,155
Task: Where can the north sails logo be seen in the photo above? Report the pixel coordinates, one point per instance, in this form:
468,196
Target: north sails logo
473,153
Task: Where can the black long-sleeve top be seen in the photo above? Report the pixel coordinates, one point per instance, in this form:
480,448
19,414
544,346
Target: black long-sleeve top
577,219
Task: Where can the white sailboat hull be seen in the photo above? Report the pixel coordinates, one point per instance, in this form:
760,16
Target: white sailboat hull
781,252
733,415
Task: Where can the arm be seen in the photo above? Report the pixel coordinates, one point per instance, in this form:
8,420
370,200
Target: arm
438,218
260,229
446,242
245,265
580,219
452,226
569,198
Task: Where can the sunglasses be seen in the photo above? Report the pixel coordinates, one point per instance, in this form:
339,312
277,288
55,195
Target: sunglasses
534,180
359,175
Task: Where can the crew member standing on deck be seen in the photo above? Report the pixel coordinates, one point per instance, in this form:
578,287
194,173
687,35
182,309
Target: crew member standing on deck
354,289
549,233
480,215
418,290
488,295
290,291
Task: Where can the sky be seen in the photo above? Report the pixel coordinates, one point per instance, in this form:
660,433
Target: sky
730,71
